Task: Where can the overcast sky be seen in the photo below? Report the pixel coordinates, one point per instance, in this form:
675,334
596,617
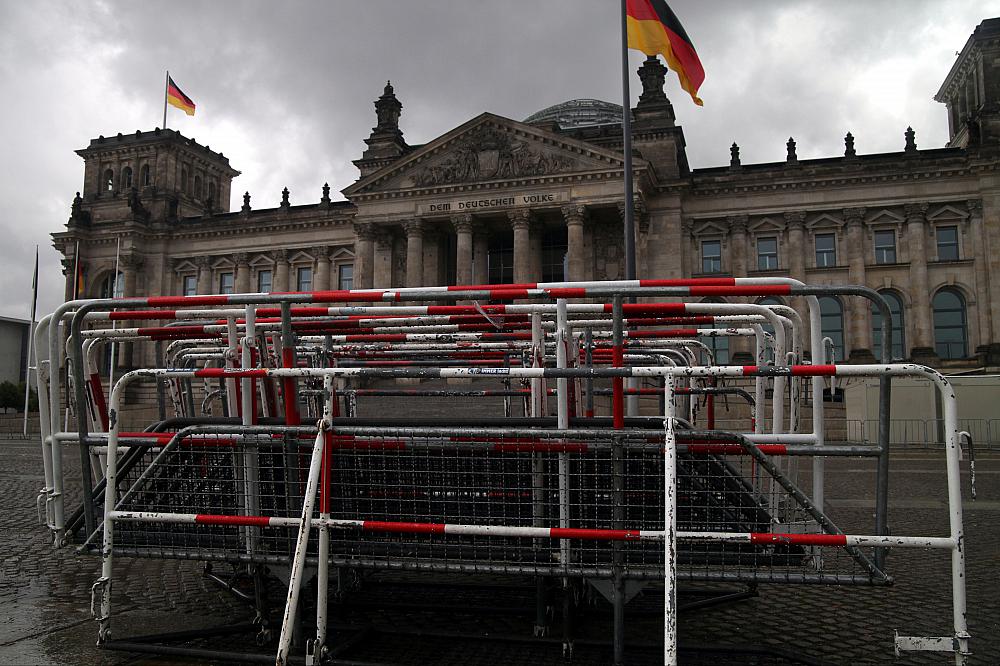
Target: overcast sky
285,89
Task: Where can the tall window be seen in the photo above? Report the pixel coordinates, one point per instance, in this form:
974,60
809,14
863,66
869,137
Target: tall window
711,256
832,324
197,187
211,192
767,253
897,342
127,178
190,286
500,260
226,283
144,175
826,250
345,276
885,247
554,244
113,286
947,243
951,336
304,279
718,345
264,281
109,181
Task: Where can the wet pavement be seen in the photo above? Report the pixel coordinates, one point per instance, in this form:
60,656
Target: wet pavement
45,593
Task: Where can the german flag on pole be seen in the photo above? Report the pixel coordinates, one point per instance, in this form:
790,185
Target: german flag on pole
654,29
176,97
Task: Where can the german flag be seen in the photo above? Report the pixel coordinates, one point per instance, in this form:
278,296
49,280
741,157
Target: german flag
654,29
176,97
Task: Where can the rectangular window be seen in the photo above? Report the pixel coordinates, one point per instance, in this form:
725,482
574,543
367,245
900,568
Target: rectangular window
826,250
345,276
767,254
554,246
711,256
947,243
304,279
190,285
885,247
225,283
265,279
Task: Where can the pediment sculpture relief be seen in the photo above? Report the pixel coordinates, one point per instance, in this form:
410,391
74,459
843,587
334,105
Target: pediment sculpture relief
488,153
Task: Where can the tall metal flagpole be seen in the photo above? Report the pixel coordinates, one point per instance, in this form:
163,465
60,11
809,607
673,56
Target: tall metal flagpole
166,87
627,139
31,343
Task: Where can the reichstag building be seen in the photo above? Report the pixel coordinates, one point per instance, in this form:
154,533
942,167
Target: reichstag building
498,200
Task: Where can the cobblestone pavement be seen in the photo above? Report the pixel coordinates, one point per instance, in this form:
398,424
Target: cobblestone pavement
45,616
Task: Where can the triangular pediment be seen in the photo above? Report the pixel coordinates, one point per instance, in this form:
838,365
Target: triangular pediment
489,149
710,228
947,212
824,221
885,217
765,224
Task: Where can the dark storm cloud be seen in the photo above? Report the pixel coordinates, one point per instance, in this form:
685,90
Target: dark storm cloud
285,89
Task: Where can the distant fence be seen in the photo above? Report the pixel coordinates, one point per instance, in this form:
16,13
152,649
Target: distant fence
925,433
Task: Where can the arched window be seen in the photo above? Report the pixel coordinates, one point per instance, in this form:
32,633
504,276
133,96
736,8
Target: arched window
211,192
144,177
197,187
126,178
768,328
832,319
951,335
184,181
109,181
112,286
897,339
718,345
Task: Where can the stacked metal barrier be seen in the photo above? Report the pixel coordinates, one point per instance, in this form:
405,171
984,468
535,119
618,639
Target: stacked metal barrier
260,458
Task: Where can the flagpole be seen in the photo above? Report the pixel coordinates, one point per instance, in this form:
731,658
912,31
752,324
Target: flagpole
627,140
166,88
31,343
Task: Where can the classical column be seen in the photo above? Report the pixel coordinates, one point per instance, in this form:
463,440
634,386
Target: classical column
480,254
279,279
204,274
364,256
128,264
978,237
795,221
321,280
463,248
241,281
414,253
575,215
737,244
520,222
858,310
916,232
382,278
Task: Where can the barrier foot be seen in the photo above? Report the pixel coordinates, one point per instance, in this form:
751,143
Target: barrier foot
958,645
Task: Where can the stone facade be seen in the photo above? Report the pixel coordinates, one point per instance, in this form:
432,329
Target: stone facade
497,200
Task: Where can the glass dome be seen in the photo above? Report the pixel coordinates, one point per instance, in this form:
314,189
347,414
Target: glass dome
578,113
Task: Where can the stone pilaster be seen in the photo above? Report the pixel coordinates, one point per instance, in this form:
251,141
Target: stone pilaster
364,256
204,274
795,223
575,216
520,222
279,279
414,252
321,277
463,248
738,244
857,310
920,310
241,281
977,233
